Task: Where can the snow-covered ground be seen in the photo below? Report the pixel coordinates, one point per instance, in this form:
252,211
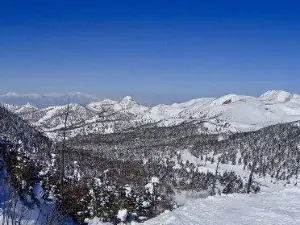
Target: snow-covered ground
277,204
13,211
275,208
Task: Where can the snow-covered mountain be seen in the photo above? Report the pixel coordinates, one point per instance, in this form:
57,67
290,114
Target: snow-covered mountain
13,98
280,96
230,113
172,164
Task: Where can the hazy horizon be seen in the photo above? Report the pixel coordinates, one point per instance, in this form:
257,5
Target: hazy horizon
146,100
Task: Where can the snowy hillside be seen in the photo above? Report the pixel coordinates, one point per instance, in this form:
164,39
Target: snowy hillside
279,96
165,166
230,113
278,208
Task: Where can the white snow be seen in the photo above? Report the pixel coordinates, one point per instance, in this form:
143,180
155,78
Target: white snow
274,208
128,190
50,112
146,204
279,96
122,214
96,221
150,187
230,98
278,208
154,180
151,184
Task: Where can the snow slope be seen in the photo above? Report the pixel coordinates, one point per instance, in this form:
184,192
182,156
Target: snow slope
278,208
275,208
279,96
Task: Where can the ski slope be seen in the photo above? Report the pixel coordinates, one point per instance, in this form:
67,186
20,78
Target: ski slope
275,208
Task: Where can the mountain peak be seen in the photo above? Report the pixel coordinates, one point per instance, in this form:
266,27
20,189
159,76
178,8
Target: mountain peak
10,94
128,99
28,105
229,98
277,96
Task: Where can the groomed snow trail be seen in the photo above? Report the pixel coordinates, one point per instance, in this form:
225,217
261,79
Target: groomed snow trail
276,208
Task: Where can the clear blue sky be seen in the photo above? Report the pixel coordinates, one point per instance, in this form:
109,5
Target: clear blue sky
156,51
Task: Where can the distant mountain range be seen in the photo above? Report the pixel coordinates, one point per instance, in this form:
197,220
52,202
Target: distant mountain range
43,100
230,113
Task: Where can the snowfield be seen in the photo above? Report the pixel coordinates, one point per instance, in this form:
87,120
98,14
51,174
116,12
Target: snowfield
275,208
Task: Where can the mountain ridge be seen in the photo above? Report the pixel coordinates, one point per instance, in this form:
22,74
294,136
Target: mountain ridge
44,100
70,97
229,113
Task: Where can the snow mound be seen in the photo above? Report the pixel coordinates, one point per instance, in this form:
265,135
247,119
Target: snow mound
122,215
155,180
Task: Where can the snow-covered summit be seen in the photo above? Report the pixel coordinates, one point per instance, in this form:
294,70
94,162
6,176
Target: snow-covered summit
230,98
11,94
100,105
279,96
128,99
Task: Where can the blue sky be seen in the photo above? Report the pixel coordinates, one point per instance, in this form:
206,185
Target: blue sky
156,51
